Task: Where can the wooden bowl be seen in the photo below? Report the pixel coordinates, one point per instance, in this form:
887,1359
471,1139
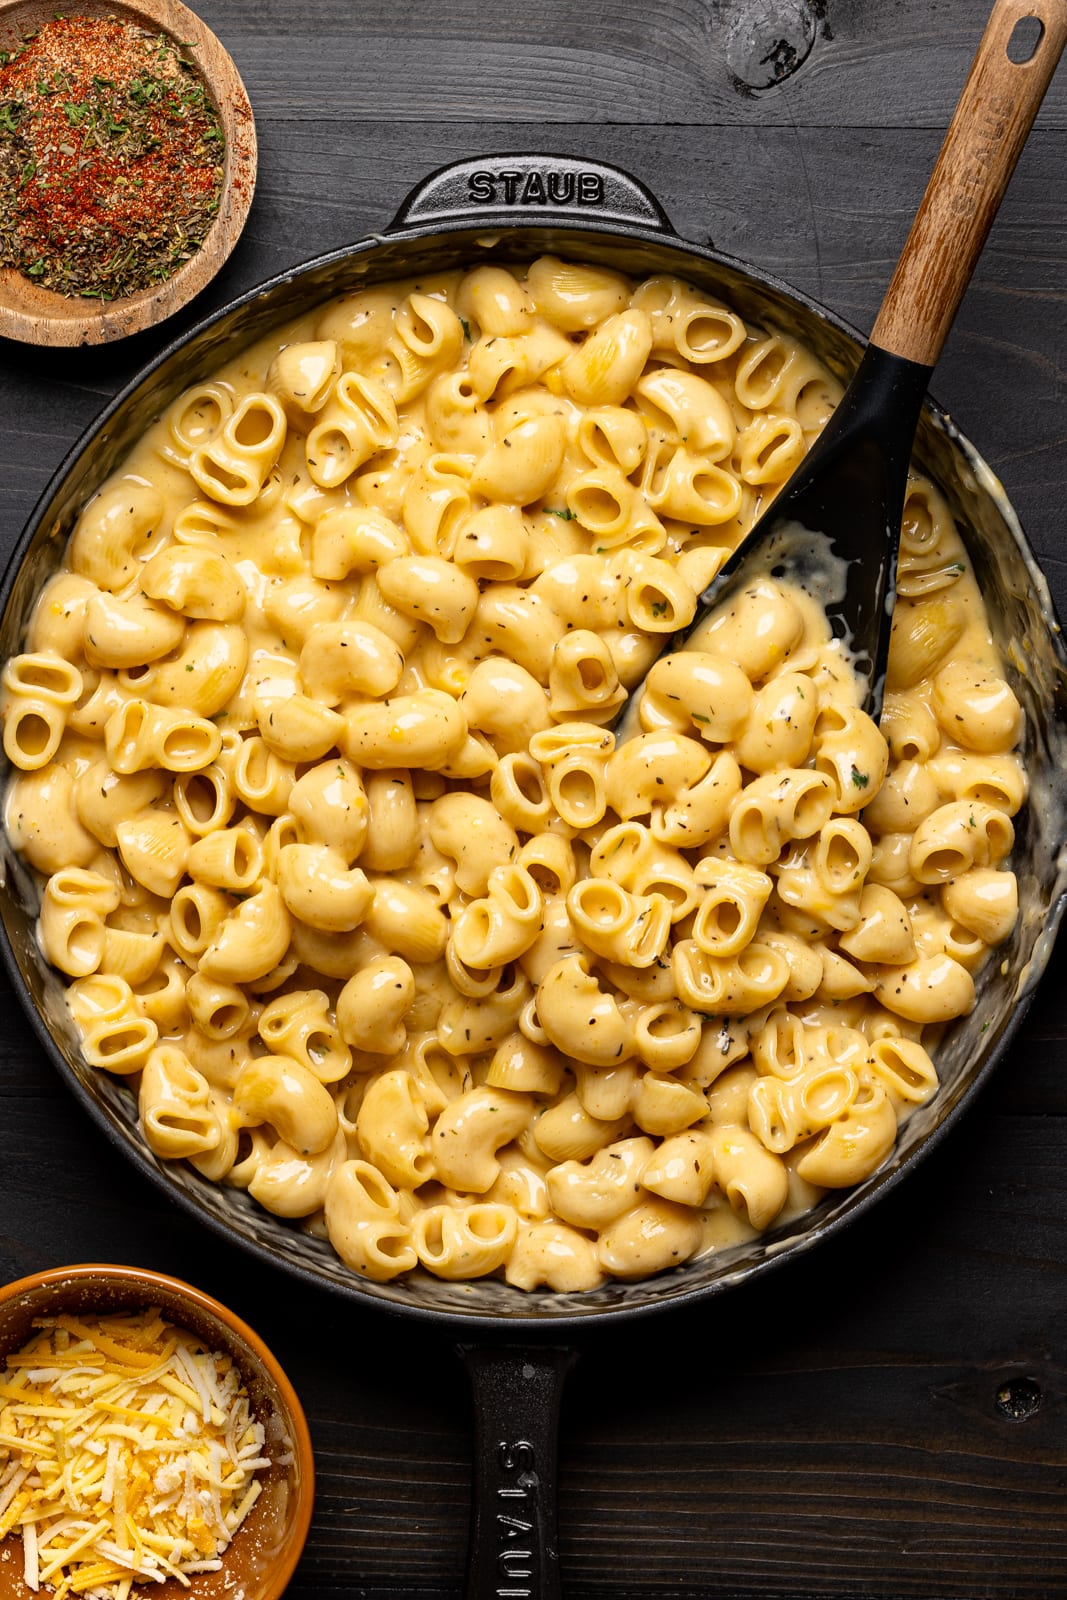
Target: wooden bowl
260,1561
40,316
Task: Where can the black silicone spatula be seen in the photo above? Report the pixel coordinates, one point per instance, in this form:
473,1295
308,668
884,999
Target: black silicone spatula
837,521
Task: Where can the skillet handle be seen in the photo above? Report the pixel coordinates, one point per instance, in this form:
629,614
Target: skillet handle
513,1552
531,188
984,141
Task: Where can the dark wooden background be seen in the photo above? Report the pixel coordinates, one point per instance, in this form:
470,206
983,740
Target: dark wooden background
887,1419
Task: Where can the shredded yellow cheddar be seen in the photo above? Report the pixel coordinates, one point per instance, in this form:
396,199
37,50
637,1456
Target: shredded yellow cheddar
128,1454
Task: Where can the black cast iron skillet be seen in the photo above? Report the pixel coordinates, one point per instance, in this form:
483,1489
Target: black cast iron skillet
511,208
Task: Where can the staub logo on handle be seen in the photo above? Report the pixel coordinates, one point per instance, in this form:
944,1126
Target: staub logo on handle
548,188
514,1520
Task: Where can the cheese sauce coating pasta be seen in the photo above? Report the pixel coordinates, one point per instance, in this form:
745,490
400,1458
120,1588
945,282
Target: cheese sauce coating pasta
346,867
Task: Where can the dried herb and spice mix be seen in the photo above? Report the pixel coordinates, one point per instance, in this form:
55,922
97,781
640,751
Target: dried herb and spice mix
110,157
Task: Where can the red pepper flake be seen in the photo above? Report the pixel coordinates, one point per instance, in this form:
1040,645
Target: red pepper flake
110,157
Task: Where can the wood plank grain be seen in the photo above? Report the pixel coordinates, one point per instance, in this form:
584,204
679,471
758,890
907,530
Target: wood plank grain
984,140
885,63
832,1432
832,1445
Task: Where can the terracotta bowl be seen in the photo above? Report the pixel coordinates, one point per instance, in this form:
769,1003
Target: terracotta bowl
263,1555
40,316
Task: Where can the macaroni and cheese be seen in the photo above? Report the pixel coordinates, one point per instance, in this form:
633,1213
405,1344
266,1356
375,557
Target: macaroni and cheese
346,866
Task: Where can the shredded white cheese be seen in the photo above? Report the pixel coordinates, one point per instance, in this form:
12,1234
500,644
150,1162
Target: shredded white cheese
128,1454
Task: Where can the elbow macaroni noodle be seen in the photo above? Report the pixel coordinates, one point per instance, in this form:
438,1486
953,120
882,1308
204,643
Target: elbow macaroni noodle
348,871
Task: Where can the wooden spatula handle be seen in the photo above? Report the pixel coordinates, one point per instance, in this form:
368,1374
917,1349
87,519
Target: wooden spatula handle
988,130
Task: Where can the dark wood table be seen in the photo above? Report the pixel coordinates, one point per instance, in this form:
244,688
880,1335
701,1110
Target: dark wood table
887,1418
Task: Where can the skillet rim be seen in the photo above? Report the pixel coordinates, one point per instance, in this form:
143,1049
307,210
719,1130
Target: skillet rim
666,1290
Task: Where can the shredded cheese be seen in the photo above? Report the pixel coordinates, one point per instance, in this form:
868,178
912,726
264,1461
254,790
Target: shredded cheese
128,1454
